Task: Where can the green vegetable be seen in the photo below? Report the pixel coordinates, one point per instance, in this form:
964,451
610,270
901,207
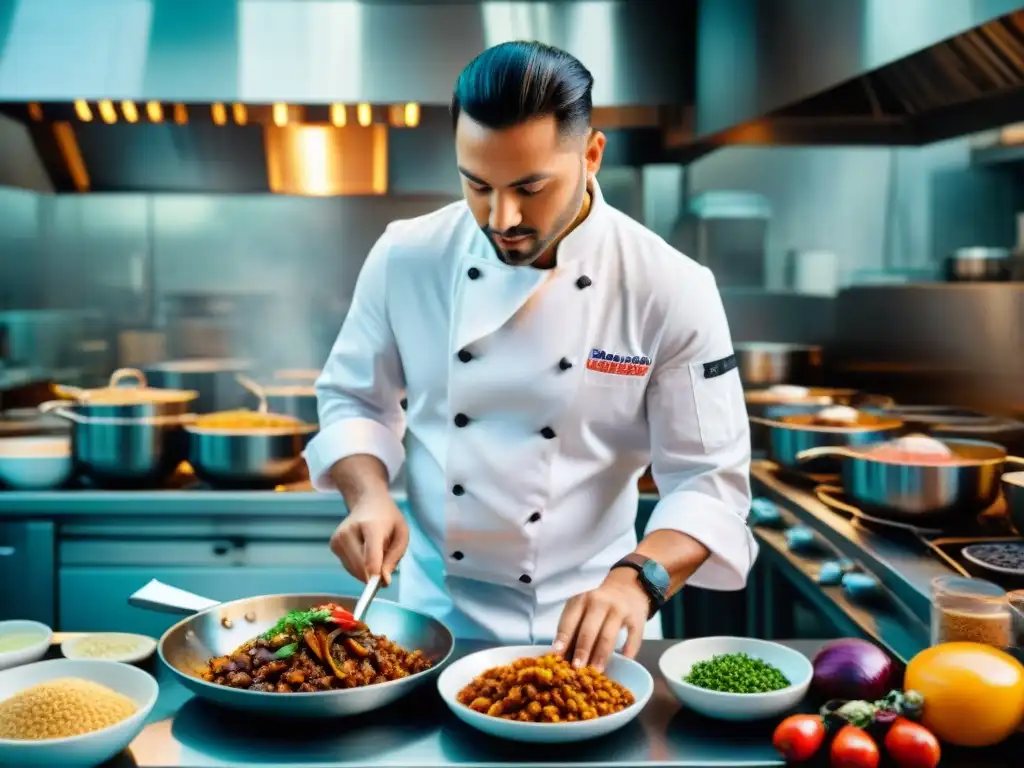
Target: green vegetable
286,651
297,622
736,673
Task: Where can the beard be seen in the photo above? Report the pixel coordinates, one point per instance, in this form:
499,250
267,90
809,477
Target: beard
535,248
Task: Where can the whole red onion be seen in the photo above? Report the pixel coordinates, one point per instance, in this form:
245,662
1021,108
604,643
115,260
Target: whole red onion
851,669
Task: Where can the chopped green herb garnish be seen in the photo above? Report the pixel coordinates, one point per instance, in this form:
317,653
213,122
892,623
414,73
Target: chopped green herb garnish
297,622
736,673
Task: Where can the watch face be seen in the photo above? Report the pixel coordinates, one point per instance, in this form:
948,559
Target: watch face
657,576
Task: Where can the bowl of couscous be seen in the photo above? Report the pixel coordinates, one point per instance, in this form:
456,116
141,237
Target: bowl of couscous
72,712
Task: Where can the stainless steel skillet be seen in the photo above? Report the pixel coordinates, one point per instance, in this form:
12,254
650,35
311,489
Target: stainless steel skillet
215,629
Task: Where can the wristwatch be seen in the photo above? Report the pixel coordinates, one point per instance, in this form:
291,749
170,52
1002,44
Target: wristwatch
652,576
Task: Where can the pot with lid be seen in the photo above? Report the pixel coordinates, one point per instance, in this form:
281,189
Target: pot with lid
127,402
212,378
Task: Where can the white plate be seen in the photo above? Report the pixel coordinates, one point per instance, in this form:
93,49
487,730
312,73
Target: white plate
677,661
34,652
88,749
142,646
459,674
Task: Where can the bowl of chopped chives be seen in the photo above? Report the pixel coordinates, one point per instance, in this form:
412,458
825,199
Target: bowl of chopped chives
736,678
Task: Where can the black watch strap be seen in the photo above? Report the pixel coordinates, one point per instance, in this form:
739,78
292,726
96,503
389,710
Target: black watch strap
652,577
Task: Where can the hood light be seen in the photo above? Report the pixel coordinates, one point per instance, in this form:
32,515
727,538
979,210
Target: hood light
180,114
364,115
219,113
107,111
320,160
240,113
35,111
155,111
280,112
412,114
83,111
130,111
339,115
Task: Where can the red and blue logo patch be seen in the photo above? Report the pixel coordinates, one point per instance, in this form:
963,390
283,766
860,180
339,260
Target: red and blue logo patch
617,364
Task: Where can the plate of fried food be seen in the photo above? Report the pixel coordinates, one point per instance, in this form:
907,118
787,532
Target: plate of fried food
526,693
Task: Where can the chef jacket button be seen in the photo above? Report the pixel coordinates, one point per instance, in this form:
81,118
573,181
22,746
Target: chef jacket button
457,555
461,419
458,490
465,355
525,579
535,517
473,273
548,433
583,282
564,364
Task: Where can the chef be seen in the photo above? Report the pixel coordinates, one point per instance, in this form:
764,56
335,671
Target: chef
550,348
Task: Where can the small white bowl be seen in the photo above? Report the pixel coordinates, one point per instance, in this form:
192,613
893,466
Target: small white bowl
677,661
30,653
35,463
461,673
87,749
136,647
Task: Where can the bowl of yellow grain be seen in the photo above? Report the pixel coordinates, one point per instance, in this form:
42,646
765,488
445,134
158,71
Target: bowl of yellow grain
72,712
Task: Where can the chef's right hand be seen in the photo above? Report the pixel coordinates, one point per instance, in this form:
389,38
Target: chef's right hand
372,539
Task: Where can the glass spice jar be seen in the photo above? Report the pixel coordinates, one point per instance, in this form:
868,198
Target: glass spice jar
970,610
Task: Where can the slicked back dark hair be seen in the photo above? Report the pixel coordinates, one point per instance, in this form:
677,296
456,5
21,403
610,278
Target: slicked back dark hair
513,82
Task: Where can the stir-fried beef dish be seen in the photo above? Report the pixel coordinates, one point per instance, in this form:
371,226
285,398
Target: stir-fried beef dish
321,649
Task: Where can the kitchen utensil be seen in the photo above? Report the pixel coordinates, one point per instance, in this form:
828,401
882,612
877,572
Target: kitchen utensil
213,380
369,592
124,452
140,401
970,610
35,463
919,493
762,364
41,637
978,264
29,422
676,662
88,749
461,673
790,432
1013,491
217,629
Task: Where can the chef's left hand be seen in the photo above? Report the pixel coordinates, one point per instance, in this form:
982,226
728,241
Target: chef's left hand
591,622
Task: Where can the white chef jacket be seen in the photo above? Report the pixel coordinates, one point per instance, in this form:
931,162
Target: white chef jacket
536,399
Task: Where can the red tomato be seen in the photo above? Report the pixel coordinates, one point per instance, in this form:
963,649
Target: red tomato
853,748
798,737
911,745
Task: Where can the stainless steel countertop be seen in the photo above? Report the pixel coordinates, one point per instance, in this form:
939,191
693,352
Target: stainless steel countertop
420,731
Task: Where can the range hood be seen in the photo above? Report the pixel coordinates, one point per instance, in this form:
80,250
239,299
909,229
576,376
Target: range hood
301,96
891,72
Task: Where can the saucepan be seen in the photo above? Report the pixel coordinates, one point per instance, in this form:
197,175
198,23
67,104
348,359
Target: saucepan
293,394
212,379
247,449
764,363
916,480
799,399
217,629
795,429
123,452
1013,491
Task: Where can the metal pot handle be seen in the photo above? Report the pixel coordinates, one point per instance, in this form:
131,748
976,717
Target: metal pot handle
59,408
127,373
157,596
765,422
825,450
1016,460
824,494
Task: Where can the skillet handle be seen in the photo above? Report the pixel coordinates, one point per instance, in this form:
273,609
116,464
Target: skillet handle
826,497
157,596
1016,460
825,450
